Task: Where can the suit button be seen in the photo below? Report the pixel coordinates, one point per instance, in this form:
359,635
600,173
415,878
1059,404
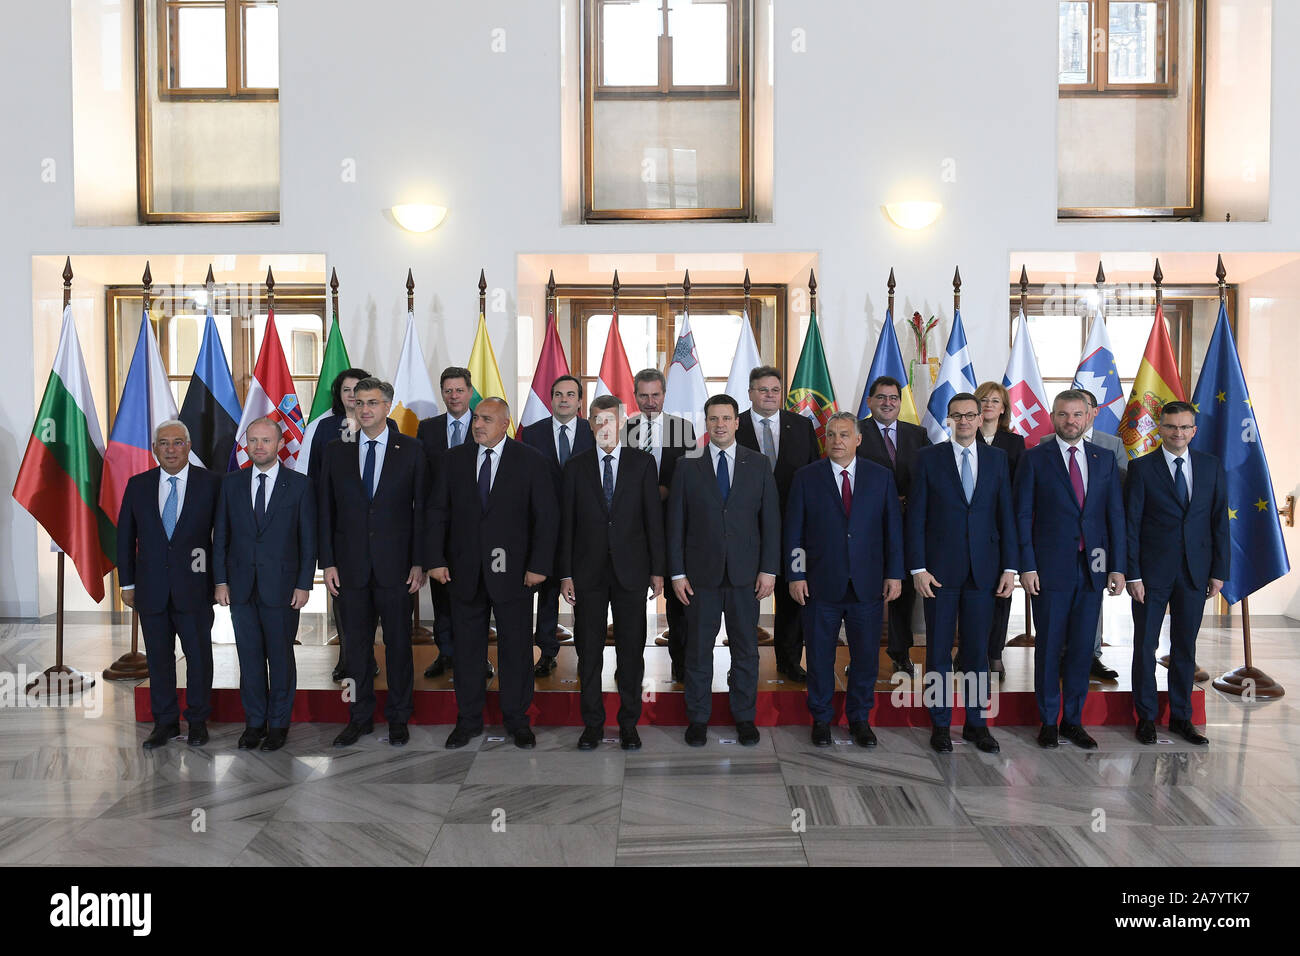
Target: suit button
850,534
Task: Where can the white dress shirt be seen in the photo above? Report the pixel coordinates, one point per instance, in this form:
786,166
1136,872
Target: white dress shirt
465,421
381,446
165,489
775,419
273,473
1081,458
730,452
891,429
656,437
496,460
839,471
1186,456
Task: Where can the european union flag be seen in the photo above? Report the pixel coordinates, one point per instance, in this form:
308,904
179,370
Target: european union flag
1226,428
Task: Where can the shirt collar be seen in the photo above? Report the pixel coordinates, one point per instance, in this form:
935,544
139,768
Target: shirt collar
464,420
773,418
571,425
601,453
1065,446
183,474
957,449
851,468
882,426
381,440
729,451
495,449
1170,456
270,473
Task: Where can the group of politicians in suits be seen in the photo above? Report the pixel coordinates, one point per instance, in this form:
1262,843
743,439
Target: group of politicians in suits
607,512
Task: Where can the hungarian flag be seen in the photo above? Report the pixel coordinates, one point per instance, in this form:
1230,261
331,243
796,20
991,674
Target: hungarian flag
483,370
413,395
686,392
1157,382
811,391
1031,416
746,361
322,403
59,479
551,364
211,408
270,395
888,360
615,373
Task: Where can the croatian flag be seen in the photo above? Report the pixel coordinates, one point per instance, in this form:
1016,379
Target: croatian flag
1030,413
1097,374
956,374
271,395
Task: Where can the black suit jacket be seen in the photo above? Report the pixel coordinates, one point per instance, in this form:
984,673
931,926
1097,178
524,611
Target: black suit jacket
179,569
796,446
331,427
911,439
627,537
1162,533
516,534
541,436
272,560
678,438
717,545
1011,443
386,536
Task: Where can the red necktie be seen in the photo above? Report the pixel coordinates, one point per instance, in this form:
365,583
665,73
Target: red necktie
889,445
846,492
1076,482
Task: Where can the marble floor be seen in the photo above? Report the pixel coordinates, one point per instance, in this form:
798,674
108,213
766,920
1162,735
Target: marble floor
77,789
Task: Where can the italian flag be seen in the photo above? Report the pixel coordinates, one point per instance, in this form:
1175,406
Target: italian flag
483,370
335,361
58,482
811,391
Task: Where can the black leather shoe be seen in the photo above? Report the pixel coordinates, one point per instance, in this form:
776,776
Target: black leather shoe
460,736
1047,737
276,738
903,664
747,733
251,738
629,739
525,739
794,671
198,733
398,734
821,734
352,733
862,734
697,735
161,734
545,666
981,738
440,666
489,671
338,673
1099,671
591,737
941,740
679,674
1078,736
1146,731
1186,730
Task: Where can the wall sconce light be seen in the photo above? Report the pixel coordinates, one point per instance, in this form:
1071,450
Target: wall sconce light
913,215
419,217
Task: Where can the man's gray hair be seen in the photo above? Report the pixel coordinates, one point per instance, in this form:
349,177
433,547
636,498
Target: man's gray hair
499,401
849,417
171,423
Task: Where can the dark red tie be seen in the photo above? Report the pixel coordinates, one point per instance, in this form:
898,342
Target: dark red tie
889,445
1076,482
846,492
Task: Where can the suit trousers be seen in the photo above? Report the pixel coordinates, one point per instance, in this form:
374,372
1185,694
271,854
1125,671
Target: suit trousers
194,628
441,600
675,614
787,634
998,628
1067,623
360,610
264,641
821,628
970,609
900,621
703,616
548,617
514,657
1186,605
629,648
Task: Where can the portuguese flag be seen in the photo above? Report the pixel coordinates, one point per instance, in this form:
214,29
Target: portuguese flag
811,391
1156,383
58,482
483,370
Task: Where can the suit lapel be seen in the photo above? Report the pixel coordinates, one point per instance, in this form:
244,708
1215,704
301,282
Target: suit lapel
278,494
507,454
1058,465
705,464
392,455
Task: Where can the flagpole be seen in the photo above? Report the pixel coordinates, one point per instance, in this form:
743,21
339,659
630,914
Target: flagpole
334,312
956,290
1025,639
419,633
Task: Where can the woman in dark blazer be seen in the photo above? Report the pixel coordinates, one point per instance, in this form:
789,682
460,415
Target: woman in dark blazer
995,430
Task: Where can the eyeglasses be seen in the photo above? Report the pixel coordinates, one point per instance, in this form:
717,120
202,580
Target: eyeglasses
885,399
964,416
372,403
1178,428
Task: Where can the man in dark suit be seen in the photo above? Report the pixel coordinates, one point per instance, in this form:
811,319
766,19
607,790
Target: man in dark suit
558,437
960,532
1179,556
373,541
493,542
611,551
1070,527
844,555
724,549
788,441
264,559
667,438
164,545
893,443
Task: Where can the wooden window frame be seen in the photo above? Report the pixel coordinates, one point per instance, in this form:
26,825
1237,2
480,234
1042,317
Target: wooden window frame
236,54
1099,60
666,88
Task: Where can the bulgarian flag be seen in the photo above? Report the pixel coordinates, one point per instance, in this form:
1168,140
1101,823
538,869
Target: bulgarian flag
413,395
322,403
270,395
58,481
1156,383
615,373
811,391
483,370
551,364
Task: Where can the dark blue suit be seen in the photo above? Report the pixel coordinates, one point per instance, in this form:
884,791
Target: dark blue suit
1174,550
432,434
966,547
845,560
1072,549
173,586
263,564
541,436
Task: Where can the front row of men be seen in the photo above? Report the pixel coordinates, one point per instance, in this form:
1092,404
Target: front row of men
488,527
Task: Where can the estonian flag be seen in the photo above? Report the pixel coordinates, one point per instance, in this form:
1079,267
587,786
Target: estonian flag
211,409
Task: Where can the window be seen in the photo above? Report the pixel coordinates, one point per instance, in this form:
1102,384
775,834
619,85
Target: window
1109,46
666,110
218,49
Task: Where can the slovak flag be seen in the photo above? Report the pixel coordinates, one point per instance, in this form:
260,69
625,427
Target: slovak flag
956,374
1097,374
1030,412
551,364
270,395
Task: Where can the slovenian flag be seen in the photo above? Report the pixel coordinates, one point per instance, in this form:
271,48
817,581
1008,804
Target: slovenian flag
1097,374
211,408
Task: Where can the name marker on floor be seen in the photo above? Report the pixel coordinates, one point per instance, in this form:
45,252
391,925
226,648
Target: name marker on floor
495,740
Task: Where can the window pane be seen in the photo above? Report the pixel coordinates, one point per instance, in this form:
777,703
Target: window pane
184,333
1073,48
700,42
1058,342
630,43
261,46
1133,40
715,335
1128,340
200,46
179,388
637,333
300,338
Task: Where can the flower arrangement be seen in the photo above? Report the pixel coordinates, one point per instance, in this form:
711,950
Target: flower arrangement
920,333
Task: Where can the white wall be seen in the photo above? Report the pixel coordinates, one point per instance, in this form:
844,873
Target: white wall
886,95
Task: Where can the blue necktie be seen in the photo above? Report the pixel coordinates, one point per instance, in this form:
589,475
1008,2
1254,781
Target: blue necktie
368,472
259,504
485,478
967,479
609,481
169,509
724,477
456,438
1180,483
565,448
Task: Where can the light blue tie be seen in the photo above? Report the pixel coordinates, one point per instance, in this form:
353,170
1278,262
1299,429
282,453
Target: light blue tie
456,438
967,479
169,509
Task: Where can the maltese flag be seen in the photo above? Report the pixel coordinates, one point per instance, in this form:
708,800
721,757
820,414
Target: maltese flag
1030,412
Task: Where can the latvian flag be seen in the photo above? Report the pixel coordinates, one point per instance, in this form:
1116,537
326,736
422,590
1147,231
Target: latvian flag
551,364
270,395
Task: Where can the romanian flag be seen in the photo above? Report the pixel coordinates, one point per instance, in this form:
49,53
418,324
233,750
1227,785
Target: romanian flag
483,370
888,360
1157,382
413,394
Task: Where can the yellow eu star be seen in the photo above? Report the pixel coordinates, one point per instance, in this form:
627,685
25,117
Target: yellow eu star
1261,504
1232,514
1221,397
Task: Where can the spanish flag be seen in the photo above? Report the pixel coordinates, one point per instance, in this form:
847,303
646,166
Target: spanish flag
1157,382
483,370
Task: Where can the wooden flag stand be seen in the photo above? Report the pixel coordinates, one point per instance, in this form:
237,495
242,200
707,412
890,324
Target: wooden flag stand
1248,681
